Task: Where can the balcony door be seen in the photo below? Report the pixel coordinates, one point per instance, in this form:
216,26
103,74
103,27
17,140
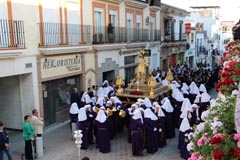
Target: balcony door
129,27
98,25
4,25
51,22
113,19
152,24
74,27
139,27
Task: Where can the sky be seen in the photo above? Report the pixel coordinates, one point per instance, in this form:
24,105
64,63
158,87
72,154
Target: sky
230,9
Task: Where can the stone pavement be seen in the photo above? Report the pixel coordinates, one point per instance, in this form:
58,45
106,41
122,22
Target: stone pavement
60,146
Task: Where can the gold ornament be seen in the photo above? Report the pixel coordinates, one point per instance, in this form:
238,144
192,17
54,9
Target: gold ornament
169,78
151,85
122,113
119,83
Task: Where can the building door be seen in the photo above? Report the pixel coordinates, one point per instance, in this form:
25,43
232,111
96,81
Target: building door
165,65
129,74
109,75
48,103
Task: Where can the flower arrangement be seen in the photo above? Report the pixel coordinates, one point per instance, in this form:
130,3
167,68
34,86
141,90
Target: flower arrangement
135,92
230,73
216,138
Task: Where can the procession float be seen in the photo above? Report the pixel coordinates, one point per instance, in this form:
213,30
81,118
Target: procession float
142,85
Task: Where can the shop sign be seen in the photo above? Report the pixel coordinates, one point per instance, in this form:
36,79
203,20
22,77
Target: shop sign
147,52
60,65
175,50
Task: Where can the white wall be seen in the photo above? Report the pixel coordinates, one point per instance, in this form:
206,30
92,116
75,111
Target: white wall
31,32
3,9
87,12
103,55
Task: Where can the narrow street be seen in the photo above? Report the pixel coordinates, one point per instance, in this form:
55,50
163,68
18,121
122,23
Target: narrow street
59,146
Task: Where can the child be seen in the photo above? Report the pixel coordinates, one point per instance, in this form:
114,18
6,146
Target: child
4,143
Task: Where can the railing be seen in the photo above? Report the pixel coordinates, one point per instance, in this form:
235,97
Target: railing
177,37
62,34
11,34
52,34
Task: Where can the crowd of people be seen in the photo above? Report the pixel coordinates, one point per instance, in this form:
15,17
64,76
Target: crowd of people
100,113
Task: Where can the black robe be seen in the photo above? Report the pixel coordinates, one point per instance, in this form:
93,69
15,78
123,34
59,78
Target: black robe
136,128
151,136
103,136
83,125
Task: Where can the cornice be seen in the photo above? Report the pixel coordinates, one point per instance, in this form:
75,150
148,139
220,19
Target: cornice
112,1
108,47
173,10
154,8
64,50
4,54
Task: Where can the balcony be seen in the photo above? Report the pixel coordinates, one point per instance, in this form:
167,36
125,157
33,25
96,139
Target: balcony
56,34
11,34
140,4
176,37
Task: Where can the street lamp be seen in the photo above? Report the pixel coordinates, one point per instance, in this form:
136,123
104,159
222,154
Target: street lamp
78,140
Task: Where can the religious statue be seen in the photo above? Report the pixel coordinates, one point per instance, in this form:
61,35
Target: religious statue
151,85
142,68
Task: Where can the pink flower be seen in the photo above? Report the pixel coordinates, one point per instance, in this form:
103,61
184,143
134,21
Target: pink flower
236,136
201,141
194,156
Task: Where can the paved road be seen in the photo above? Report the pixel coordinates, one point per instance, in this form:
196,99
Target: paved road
59,146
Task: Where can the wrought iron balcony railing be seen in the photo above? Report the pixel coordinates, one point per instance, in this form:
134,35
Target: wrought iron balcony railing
177,37
11,34
52,34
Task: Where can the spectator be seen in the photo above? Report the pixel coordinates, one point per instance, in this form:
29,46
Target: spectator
37,123
28,137
4,143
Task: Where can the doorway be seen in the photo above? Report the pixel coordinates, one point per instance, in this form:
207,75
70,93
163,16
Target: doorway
109,75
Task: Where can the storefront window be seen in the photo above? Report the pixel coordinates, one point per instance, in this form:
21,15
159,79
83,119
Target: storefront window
56,97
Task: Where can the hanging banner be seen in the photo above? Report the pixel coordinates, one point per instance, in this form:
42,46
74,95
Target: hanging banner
187,28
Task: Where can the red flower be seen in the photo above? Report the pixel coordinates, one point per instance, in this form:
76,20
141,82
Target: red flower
228,81
236,153
231,64
217,154
216,139
136,92
237,72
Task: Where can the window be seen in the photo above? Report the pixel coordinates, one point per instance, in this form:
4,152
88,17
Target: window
113,20
139,27
180,29
192,37
129,27
98,25
152,27
197,46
